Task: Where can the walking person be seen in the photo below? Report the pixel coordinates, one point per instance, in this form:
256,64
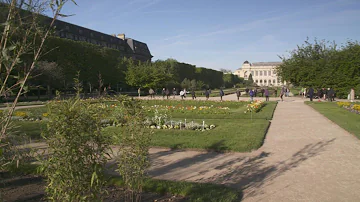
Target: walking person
151,92
330,94
311,93
139,91
163,92
238,94
174,92
193,95
182,94
262,92
251,93
167,92
255,92
319,94
207,94
221,94
352,95
266,94
282,92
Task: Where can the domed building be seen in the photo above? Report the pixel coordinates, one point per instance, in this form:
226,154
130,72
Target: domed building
263,73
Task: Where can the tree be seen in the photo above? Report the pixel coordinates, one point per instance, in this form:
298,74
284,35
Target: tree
193,84
186,83
225,71
147,75
49,73
21,46
322,64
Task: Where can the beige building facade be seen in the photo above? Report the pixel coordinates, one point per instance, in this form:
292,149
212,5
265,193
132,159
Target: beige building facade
263,73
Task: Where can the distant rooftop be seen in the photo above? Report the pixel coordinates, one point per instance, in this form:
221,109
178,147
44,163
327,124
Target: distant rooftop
266,63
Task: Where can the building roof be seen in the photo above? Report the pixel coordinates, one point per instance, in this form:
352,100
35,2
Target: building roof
266,63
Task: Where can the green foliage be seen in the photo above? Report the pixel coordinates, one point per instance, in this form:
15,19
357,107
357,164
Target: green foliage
134,144
230,80
74,170
186,83
322,64
147,75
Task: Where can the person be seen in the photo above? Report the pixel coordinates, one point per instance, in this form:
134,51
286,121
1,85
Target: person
255,92
275,92
193,94
262,92
304,92
287,92
163,92
207,94
251,93
319,94
266,91
330,94
324,93
174,92
182,94
238,94
282,93
139,91
167,92
311,93
151,92
352,95
221,94
301,93
247,90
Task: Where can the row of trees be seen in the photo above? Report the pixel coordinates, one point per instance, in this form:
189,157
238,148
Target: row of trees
323,64
100,67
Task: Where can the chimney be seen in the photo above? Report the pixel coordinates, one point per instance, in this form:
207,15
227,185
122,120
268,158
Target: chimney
121,36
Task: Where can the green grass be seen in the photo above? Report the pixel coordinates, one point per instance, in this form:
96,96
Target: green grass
230,135
345,119
234,131
199,192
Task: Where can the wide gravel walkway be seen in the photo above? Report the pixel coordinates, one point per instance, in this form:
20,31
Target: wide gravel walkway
305,157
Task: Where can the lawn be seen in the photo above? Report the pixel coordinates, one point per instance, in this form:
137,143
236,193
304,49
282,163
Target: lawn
241,135
345,119
234,131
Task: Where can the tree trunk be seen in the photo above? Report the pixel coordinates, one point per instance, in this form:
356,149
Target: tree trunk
49,91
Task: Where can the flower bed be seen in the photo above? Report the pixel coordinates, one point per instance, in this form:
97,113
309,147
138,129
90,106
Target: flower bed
355,108
254,106
179,125
189,109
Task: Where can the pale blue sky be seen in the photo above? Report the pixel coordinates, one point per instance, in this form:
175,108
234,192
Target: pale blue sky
220,34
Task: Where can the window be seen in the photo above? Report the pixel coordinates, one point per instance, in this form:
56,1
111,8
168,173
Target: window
274,81
256,73
265,74
252,72
67,27
278,80
260,74
257,81
269,81
264,81
80,31
260,81
269,72
274,72
91,34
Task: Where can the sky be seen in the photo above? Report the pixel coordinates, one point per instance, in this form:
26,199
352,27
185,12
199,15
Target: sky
220,34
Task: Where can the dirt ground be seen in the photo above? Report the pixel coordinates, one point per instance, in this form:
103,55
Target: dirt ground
30,188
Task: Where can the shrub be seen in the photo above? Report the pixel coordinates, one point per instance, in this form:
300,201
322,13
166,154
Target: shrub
74,171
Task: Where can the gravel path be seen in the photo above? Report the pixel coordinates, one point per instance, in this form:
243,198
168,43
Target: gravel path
305,157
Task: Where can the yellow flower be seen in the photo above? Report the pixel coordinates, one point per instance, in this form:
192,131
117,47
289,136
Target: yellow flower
45,114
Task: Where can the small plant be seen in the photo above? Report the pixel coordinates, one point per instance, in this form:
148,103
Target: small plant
132,159
74,171
21,114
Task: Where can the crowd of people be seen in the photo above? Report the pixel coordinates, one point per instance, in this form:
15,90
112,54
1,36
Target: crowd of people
321,93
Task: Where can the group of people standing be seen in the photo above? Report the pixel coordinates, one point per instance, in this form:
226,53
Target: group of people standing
322,93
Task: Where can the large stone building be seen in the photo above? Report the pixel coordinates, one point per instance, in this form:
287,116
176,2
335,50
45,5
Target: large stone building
263,73
128,47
